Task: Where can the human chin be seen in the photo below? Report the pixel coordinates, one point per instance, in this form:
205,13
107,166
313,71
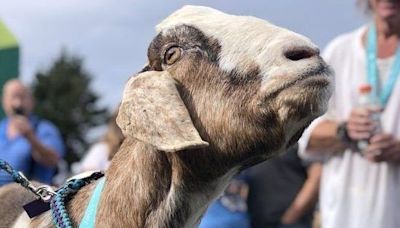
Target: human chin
388,9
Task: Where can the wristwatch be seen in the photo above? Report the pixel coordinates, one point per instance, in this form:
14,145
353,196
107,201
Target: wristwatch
342,133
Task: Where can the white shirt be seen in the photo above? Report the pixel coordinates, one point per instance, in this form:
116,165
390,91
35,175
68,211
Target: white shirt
357,193
96,158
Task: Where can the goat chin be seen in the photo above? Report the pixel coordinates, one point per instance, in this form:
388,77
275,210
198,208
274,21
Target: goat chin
218,93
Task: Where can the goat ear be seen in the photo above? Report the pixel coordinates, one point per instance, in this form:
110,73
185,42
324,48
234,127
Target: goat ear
152,111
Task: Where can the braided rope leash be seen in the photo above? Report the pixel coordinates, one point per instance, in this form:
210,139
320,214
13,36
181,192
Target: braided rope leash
58,199
58,203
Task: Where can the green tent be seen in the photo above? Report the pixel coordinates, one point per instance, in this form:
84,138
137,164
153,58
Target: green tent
9,56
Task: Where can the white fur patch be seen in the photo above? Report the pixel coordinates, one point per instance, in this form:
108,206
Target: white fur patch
245,41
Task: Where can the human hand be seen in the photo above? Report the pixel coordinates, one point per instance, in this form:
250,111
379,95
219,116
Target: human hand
359,125
383,148
22,124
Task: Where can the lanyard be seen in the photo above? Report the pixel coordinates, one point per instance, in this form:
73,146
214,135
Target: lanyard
372,68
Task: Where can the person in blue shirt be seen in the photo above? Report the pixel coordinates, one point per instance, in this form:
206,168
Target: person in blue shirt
229,210
28,143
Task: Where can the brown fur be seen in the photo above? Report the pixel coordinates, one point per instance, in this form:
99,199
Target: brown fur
190,126
13,197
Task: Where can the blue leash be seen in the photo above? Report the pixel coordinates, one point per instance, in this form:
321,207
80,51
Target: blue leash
57,199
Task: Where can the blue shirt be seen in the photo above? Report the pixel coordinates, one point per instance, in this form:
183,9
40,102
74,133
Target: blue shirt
219,215
18,152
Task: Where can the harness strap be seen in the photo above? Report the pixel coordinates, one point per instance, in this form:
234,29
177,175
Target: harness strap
89,219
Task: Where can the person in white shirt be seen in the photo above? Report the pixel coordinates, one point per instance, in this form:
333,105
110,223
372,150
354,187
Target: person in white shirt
361,187
99,155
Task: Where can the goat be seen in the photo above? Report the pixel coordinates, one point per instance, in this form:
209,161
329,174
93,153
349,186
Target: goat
219,93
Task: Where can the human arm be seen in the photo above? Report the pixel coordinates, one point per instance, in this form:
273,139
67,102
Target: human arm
45,147
307,196
325,139
41,153
382,147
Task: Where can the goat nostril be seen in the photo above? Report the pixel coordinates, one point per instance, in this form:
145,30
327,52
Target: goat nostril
296,54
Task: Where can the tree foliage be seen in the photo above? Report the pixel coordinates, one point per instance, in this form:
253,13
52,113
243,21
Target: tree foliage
63,96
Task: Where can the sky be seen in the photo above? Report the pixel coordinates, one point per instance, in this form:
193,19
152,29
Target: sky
112,36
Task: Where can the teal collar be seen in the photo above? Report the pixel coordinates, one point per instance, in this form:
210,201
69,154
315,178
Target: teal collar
89,219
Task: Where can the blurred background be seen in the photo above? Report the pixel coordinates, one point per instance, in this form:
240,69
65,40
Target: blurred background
103,42
76,56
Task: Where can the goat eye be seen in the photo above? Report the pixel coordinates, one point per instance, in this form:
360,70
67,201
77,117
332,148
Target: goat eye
172,55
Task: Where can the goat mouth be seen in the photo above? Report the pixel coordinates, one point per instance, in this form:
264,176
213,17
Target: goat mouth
318,77
315,77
